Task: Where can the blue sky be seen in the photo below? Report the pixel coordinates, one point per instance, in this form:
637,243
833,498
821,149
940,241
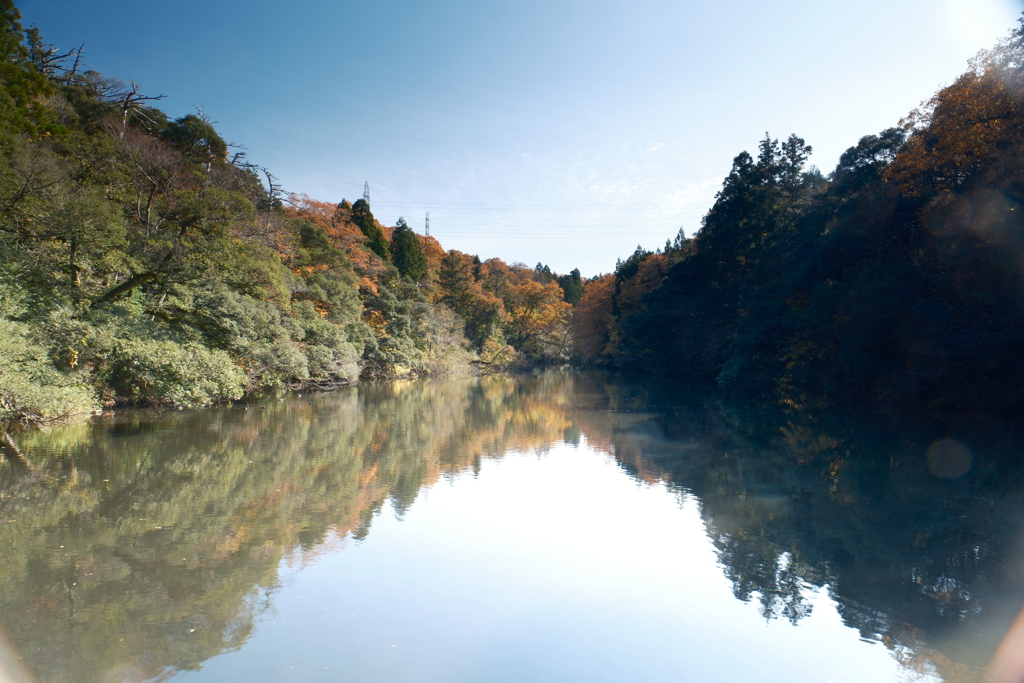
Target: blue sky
565,132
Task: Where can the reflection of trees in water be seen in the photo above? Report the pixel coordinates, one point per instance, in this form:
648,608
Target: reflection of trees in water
926,565
148,544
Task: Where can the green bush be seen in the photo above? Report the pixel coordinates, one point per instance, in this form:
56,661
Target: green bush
338,363
447,349
31,389
331,353
164,373
271,363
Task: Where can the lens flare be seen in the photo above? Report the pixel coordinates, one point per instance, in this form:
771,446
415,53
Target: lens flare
949,459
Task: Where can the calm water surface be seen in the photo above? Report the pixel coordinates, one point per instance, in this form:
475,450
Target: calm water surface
554,528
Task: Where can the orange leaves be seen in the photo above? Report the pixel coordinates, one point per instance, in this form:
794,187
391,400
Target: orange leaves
340,230
592,320
606,299
497,302
434,252
537,313
308,209
367,285
964,128
649,275
376,321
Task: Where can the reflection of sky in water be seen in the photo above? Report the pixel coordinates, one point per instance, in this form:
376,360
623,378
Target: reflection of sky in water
558,567
225,543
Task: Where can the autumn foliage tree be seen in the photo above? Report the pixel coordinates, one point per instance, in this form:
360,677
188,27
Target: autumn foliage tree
484,313
894,282
593,323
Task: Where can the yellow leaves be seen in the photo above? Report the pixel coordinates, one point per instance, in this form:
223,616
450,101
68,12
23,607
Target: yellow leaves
496,355
801,350
959,131
537,311
376,321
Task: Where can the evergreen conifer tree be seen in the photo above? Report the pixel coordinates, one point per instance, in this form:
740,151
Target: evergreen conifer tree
407,254
572,286
375,238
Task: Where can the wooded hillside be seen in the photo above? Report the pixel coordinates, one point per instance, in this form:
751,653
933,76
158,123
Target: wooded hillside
147,261
895,283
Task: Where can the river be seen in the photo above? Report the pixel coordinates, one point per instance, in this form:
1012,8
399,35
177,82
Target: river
558,527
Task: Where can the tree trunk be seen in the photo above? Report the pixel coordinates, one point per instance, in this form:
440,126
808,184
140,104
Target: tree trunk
72,266
124,288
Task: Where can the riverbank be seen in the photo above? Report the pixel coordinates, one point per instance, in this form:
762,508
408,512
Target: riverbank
33,393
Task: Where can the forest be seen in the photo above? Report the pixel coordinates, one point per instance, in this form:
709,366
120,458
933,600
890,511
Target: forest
146,261
892,285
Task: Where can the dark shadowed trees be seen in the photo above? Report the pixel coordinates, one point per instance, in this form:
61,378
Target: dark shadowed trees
375,238
406,252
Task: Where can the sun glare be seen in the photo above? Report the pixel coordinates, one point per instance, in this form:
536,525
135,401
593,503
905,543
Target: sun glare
980,22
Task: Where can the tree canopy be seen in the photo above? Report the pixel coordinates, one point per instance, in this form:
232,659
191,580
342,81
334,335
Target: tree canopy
407,254
895,282
140,264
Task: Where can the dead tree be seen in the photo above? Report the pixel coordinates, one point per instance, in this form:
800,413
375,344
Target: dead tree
274,189
46,58
73,71
133,102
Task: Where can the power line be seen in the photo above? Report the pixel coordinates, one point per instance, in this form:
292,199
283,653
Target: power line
532,206
547,233
514,183
564,221
609,231
612,231
624,239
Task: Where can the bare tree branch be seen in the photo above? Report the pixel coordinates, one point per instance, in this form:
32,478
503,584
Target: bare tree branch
134,102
